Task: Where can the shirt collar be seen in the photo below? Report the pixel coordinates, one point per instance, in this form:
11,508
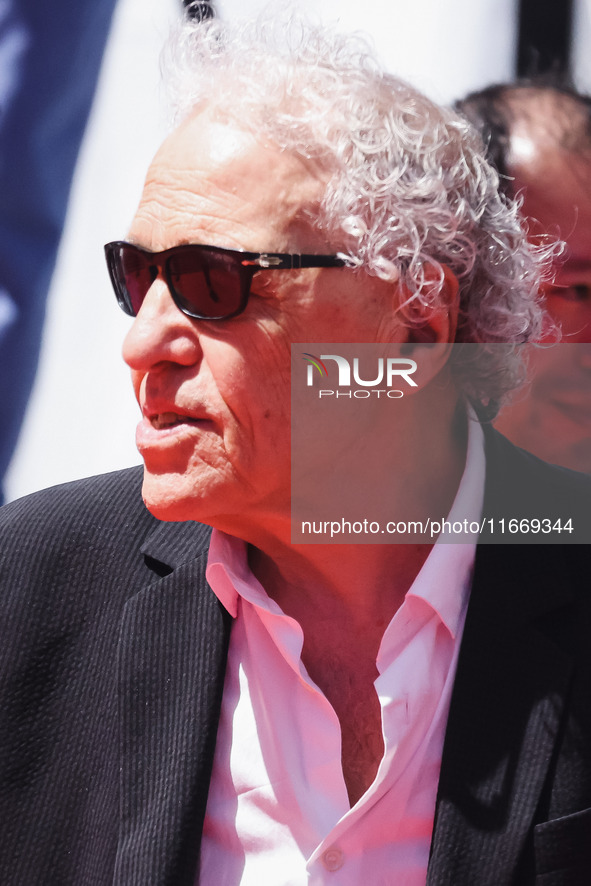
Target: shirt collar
445,578
227,569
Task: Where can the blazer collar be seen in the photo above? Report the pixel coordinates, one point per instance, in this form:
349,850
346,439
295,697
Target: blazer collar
172,544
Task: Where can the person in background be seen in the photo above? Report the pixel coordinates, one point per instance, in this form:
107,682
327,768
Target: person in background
539,138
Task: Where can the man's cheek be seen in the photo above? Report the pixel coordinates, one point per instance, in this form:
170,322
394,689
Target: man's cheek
550,368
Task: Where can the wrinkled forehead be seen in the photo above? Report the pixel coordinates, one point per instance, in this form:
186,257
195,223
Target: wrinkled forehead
212,177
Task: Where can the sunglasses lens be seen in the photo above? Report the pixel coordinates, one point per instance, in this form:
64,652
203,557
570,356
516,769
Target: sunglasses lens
131,275
206,284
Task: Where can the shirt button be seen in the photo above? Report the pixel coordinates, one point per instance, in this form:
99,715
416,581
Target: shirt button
333,859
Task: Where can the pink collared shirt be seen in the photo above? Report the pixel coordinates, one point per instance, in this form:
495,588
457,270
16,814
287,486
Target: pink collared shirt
278,813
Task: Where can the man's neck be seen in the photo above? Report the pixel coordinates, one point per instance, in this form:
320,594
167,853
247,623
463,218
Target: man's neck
347,579
365,580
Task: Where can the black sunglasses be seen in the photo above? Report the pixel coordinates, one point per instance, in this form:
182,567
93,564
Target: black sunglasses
205,282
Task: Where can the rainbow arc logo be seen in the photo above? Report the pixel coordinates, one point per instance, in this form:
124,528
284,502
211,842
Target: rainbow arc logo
316,362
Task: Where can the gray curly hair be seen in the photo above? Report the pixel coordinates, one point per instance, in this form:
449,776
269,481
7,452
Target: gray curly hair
410,188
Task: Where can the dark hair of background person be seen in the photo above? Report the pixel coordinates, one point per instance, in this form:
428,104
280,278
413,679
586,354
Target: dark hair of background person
494,110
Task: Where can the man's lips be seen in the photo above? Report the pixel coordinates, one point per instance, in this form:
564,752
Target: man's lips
162,420
158,427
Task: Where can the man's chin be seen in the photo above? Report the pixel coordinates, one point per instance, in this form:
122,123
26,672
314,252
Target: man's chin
171,497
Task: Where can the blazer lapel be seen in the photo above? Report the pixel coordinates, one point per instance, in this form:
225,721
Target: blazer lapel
507,704
172,654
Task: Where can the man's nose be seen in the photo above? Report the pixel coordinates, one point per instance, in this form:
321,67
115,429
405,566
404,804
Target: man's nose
160,333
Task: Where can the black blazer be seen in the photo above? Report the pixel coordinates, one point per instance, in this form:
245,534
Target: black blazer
112,657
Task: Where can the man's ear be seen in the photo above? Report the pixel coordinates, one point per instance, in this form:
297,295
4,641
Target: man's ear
430,325
431,331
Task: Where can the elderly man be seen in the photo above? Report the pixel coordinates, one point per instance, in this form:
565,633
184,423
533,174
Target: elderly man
538,136
184,706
